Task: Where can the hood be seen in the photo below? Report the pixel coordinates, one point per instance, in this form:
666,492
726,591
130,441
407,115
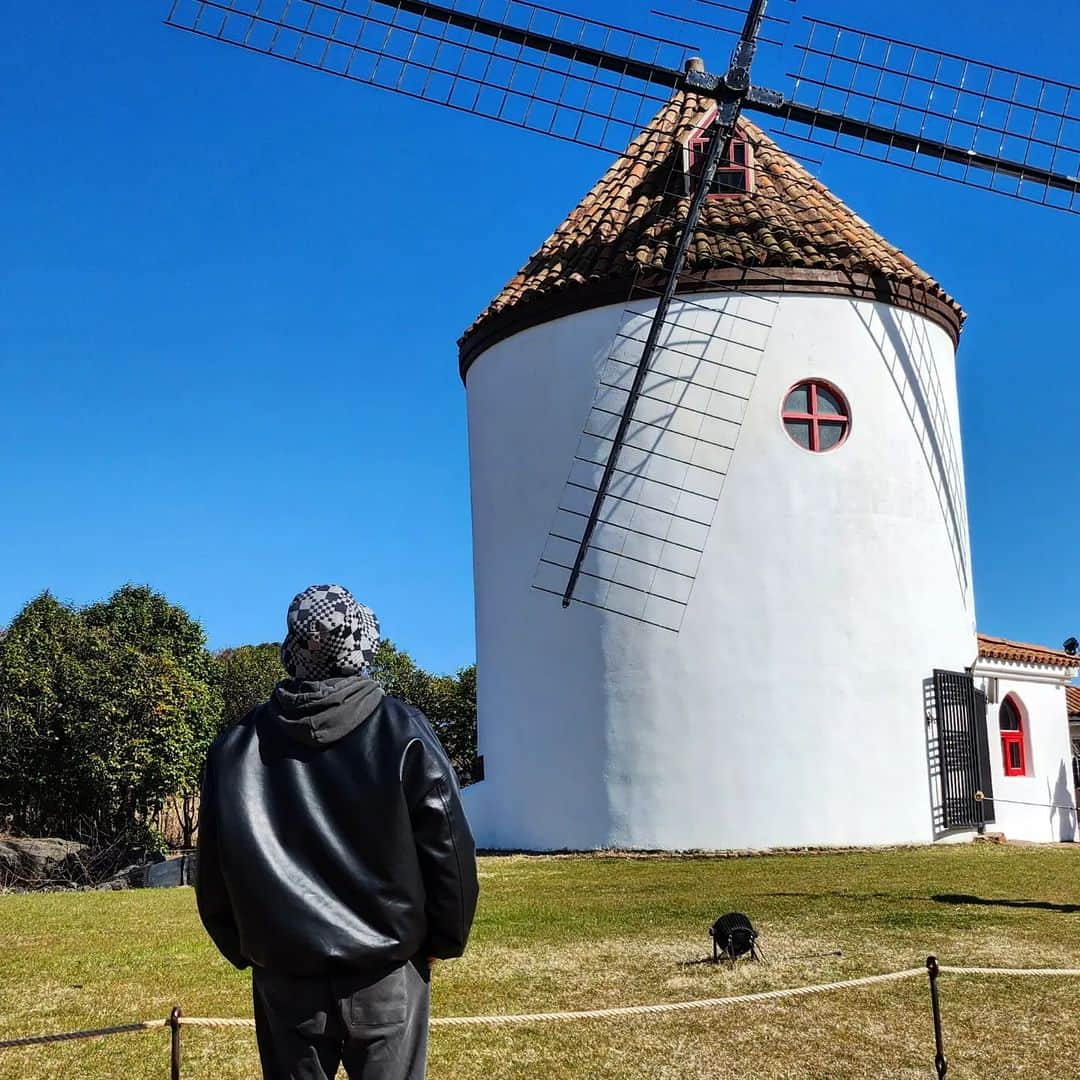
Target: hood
323,712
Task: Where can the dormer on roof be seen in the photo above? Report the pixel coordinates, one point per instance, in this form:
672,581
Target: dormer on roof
735,175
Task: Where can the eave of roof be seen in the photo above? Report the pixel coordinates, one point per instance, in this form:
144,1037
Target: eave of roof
1018,652
1072,700
791,234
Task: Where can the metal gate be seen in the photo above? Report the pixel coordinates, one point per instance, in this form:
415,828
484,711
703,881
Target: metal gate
963,750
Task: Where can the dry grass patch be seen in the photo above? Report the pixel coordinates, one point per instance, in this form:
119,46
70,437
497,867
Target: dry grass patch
572,933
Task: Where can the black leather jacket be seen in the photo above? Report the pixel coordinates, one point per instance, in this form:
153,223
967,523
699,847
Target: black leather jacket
332,837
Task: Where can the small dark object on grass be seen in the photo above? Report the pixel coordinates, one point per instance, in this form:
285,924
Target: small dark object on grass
734,936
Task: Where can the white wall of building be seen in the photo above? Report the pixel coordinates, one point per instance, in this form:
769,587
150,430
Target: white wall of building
789,709
1047,782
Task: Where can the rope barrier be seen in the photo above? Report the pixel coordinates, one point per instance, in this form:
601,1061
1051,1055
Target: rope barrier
581,1014
674,1006
204,1022
1049,973
980,797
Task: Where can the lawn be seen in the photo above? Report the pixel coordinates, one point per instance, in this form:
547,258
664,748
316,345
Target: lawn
583,932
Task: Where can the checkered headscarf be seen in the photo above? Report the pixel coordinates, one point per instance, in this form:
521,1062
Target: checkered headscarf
329,635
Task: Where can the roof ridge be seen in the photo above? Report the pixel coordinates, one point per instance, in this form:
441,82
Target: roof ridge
1000,648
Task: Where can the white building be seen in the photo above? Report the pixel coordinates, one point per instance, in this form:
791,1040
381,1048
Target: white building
783,562
1027,688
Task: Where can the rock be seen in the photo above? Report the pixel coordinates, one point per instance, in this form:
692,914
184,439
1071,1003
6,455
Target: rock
130,877
36,863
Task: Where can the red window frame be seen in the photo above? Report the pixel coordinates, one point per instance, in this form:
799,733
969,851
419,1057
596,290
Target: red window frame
736,169
1012,739
815,417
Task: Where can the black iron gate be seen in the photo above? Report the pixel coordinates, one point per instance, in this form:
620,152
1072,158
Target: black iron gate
963,751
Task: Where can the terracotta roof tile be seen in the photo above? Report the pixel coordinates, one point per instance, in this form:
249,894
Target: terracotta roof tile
1017,652
791,223
1072,700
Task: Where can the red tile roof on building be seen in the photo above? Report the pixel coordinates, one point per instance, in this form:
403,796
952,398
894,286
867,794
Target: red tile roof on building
1017,652
1072,700
793,232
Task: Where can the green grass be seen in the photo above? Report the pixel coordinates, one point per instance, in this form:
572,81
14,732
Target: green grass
566,933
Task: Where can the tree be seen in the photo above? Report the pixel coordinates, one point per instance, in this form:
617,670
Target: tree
247,675
145,620
37,670
448,701
105,713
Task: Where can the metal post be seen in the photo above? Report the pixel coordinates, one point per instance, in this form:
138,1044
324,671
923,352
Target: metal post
941,1062
174,1024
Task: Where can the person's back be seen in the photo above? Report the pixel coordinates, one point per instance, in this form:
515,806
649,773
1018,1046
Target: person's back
334,857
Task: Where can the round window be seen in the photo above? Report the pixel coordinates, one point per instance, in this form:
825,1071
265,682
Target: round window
816,416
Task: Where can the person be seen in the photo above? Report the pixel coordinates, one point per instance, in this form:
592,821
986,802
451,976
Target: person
334,857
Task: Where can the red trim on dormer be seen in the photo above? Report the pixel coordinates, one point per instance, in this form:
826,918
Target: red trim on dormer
736,169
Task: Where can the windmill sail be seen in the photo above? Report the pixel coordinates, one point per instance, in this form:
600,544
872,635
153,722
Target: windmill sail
522,64
596,84
937,113
643,557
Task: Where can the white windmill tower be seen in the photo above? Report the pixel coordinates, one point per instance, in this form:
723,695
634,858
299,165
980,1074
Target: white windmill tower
782,559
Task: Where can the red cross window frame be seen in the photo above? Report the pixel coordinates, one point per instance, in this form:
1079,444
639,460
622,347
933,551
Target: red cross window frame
735,173
1013,759
816,418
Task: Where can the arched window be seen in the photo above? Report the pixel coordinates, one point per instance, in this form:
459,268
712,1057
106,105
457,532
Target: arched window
816,416
1012,737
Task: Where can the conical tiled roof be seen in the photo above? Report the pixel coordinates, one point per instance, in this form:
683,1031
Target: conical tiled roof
792,233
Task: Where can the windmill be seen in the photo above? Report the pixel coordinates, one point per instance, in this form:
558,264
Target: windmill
690,302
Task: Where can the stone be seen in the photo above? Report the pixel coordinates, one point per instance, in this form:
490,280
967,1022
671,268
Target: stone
41,862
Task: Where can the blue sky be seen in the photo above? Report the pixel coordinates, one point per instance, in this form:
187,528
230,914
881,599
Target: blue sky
231,291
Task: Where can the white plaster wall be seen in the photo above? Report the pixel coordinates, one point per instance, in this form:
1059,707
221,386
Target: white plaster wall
789,708
1048,761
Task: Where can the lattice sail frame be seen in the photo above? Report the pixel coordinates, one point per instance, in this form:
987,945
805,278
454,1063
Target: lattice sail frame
520,63
1014,133
643,558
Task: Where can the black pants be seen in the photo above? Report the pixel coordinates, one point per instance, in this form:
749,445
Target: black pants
377,1027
